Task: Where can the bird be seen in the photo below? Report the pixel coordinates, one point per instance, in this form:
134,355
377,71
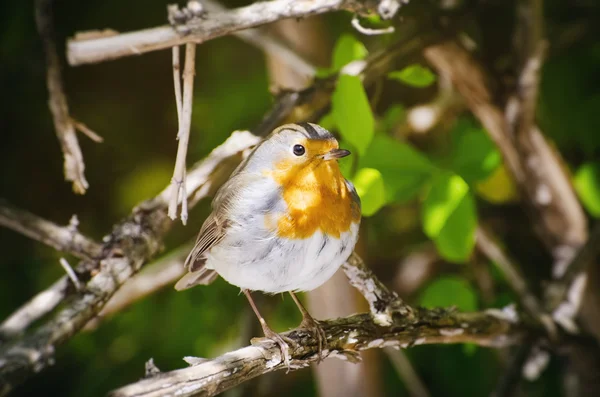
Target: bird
284,221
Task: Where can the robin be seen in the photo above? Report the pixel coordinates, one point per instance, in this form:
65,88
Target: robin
285,221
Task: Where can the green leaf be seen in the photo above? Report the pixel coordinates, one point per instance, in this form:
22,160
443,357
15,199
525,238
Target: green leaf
474,155
449,217
414,76
449,291
587,185
404,169
352,112
371,190
347,49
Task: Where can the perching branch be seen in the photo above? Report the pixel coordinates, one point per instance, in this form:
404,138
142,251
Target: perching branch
65,131
390,323
103,47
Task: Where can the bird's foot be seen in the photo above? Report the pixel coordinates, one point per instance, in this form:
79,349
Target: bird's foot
310,324
283,343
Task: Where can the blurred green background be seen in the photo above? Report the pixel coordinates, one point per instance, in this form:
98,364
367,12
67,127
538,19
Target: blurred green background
422,192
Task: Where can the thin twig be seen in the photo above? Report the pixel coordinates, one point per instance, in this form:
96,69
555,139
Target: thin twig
65,131
178,192
345,337
269,43
177,85
62,238
87,49
87,131
70,273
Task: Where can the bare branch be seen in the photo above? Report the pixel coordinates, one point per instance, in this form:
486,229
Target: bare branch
269,44
87,131
62,238
73,166
178,184
82,50
345,337
177,86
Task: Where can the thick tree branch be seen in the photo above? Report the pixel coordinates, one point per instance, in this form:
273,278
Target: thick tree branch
65,130
87,49
62,238
345,337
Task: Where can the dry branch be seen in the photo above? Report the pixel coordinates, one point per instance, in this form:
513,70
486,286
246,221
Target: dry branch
65,131
87,49
345,337
62,238
178,182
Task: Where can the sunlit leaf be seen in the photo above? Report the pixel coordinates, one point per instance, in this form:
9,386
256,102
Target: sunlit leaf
414,75
369,186
449,217
404,169
587,185
352,112
347,49
449,291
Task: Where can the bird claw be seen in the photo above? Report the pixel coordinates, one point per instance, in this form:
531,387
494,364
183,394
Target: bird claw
283,343
312,325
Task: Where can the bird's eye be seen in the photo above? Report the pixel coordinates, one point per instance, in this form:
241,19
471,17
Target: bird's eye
299,150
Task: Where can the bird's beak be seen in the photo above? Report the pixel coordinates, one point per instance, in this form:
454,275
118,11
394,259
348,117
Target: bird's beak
336,154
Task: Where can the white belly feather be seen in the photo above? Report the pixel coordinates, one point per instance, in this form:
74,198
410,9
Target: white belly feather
276,265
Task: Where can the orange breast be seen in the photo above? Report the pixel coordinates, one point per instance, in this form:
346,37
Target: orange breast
317,199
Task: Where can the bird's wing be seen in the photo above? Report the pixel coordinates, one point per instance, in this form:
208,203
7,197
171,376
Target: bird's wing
213,231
